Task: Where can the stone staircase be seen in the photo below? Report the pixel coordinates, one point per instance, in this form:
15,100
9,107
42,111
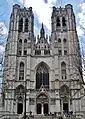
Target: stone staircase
52,117
16,116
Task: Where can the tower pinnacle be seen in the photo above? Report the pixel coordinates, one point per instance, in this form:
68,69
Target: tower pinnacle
42,32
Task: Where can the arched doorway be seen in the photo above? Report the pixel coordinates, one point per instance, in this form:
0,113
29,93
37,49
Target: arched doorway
39,106
65,105
42,104
20,105
19,93
65,98
42,76
45,108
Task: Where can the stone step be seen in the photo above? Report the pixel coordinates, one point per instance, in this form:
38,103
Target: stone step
15,116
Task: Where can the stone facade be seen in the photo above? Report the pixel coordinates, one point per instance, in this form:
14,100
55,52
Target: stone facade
47,69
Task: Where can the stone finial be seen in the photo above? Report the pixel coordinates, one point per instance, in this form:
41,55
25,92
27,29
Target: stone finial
37,36
30,8
16,6
68,6
49,38
35,39
54,8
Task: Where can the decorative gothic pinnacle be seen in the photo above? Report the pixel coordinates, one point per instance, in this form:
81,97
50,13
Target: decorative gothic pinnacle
42,32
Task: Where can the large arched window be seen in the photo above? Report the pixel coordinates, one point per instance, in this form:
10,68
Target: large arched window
42,76
63,70
26,25
21,25
21,71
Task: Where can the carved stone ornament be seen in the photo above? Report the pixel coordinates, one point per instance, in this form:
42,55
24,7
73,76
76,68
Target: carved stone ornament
53,101
31,101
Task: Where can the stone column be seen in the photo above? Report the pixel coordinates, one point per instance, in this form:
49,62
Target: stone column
42,109
62,106
69,106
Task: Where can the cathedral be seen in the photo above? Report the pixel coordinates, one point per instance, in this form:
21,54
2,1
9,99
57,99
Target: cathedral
43,74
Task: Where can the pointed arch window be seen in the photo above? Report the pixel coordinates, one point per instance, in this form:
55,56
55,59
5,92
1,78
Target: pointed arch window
25,47
42,76
26,25
21,71
37,52
64,40
20,47
59,40
25,41
63,70
63,21
21,25
20,43
65,43
58,21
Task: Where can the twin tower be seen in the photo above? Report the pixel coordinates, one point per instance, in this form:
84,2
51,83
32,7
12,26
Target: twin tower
47,70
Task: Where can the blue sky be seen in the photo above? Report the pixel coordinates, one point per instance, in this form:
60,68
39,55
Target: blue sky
42,11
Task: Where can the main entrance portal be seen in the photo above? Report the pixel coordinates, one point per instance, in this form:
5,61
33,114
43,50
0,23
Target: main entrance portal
42,108
42,104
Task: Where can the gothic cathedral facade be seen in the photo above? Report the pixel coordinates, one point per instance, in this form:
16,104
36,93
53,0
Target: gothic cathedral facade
47,69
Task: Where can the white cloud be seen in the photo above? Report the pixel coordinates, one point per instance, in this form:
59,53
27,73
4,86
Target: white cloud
3,36
81,19
3,30
21,1
2,49
80,31
42,10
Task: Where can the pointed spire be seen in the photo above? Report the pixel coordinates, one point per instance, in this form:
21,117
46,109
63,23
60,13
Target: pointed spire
42,32
42,25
